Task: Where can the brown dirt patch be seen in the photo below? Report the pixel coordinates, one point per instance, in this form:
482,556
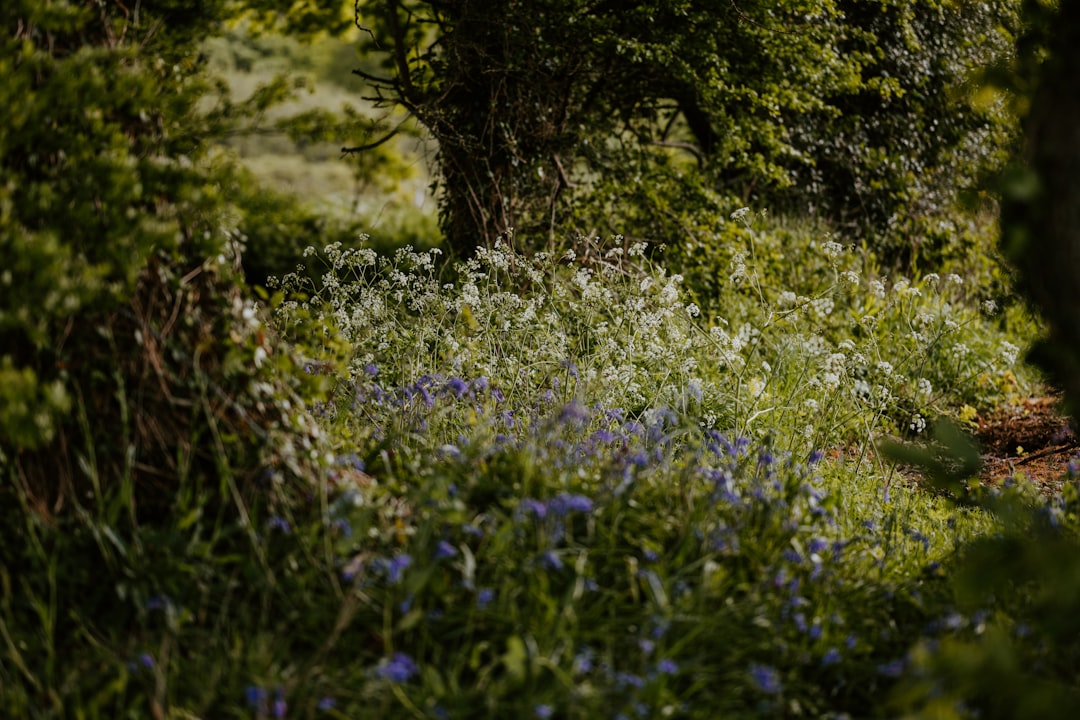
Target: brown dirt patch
1032,439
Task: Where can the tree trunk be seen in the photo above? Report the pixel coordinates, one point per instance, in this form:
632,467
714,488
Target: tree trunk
1041,219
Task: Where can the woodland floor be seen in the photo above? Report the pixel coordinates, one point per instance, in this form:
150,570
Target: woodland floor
1032,438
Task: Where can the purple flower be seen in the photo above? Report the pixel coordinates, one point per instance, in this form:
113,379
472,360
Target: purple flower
831,657
147,661
279,523
533,506
255,696
667,666
371,370
766,678
457,386
327,703
484,597
565,503
625,679
445,550
574,412
398,668
395,568
892,669
158,602
583,661
543,711
551,560
280,706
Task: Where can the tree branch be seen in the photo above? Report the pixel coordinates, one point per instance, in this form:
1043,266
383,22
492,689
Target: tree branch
373,145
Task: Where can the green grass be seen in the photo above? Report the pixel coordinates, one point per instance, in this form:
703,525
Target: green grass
556,488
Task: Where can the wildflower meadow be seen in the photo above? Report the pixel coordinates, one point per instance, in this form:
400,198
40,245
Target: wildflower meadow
671,412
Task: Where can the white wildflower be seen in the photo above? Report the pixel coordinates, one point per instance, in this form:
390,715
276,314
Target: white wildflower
740,214
832,249
1009,352
823,307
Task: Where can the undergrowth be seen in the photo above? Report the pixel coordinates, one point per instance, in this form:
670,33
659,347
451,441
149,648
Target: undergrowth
542,486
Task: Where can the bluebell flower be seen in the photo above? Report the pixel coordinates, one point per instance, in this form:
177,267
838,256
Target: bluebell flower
667,666
831,657
147,661
343,526
425,396
457,386
255,696
484,597
280,706
565,503
158,602
646,645
766,678
583,661
445,550
398,668
602,437
279,523
551,560
574,412
543,711
533,506
892,669
327,703
395,568
626,679
371,369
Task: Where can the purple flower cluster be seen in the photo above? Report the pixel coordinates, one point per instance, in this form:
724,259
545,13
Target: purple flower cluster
398,668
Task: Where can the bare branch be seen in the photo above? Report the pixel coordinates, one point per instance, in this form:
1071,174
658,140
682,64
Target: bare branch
374,78
373,145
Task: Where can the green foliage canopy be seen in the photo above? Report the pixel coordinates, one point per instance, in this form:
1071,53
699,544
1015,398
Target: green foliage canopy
845,106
